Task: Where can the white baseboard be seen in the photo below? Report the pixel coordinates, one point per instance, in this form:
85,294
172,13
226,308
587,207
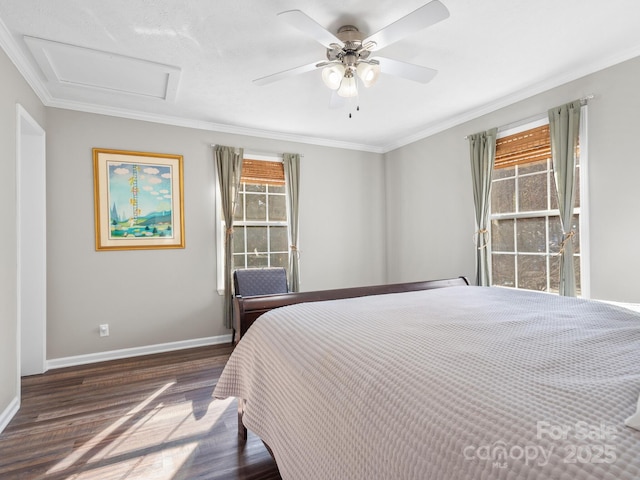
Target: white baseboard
9,412
136,351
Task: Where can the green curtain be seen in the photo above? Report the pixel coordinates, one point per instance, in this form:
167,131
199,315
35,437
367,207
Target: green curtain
229,169
564,126
482,150
292,176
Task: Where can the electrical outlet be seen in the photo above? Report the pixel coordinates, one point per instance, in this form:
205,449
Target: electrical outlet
104,330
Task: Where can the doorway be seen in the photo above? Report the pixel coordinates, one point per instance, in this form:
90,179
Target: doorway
32,243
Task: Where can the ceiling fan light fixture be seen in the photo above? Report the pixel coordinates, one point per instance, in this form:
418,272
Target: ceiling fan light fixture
348,86
368,73
332,76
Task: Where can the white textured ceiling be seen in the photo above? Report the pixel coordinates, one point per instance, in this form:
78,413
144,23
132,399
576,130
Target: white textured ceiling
199,57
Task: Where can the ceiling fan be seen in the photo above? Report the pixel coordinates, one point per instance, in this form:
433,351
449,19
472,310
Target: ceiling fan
349,52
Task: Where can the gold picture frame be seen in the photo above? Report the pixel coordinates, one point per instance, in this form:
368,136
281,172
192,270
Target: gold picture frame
138,200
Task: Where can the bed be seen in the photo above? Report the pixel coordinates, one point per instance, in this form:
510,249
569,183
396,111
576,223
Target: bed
442,383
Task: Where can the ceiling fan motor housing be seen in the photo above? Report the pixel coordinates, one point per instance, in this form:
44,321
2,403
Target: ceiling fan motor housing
352,51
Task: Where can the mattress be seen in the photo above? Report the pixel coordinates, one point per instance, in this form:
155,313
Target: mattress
452,383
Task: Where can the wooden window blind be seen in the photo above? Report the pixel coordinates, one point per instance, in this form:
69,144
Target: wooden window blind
524,147
260,172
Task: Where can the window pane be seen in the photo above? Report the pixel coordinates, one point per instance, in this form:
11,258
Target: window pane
256,207
532,192
531,234
278,239
238,240
553,200
503,196
277,208
502,235
256,239
279,260
255,188
504,172
277,189
554,273
257,261
539,166
532,272
239,211
555,234
503,270
238,261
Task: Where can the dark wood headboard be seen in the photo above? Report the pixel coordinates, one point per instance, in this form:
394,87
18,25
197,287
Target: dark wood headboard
248,309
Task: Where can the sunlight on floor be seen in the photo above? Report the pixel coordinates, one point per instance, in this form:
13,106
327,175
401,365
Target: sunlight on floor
161,465
151,441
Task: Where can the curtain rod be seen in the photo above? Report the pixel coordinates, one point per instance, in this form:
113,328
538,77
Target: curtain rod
583,101
258,153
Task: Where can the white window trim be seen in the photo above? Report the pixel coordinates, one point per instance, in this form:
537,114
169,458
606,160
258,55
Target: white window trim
585,244
527,124
219,240
583,210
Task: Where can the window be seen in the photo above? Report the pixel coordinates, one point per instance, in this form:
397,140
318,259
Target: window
260,221
526,236
261,237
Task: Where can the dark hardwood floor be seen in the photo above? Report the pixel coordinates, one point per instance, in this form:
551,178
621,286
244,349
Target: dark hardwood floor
150,417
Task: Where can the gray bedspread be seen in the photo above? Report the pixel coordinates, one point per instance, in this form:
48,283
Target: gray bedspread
454,383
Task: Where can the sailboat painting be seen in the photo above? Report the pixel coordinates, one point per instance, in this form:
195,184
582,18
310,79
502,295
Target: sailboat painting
138,200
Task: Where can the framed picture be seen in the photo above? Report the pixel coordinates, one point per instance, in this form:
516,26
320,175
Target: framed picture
138,200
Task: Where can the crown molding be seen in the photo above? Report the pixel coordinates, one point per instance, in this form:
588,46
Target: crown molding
17,56
428,131
209,126
523,94
33,78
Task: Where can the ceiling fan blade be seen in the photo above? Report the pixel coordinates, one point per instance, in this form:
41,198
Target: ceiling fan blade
410,71
285,74
423,17
307,25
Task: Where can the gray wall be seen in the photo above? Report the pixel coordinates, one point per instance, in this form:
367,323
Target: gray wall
430,207
429,210
157,296
14,90
412,207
